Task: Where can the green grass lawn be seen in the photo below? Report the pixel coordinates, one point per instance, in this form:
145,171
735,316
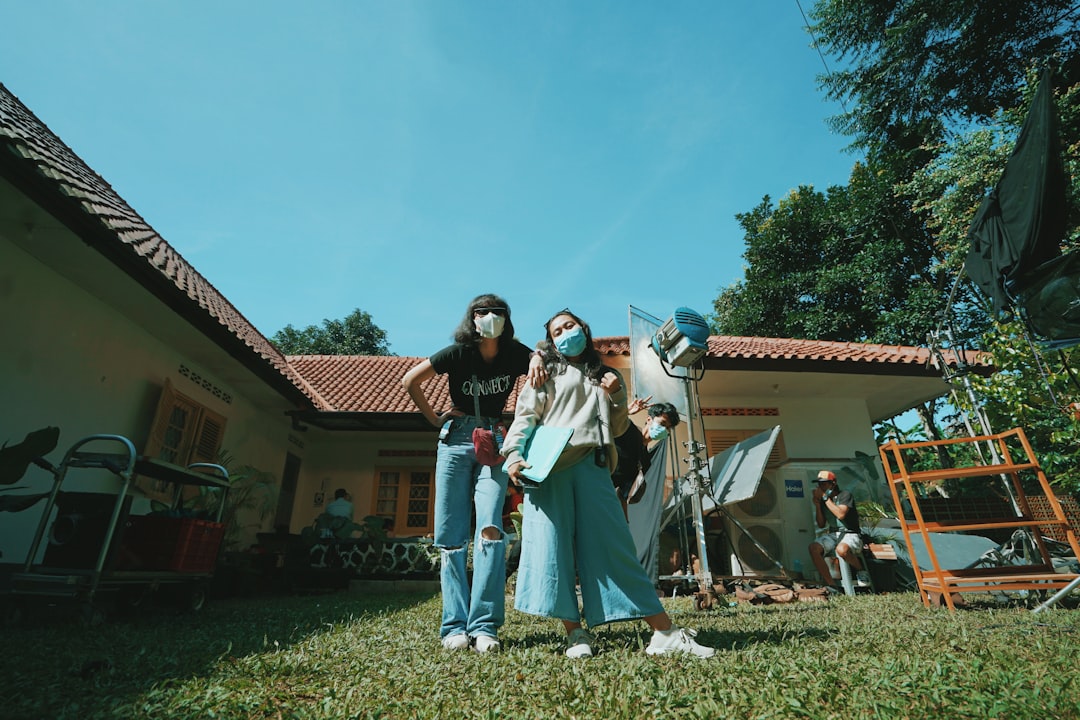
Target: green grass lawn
342,656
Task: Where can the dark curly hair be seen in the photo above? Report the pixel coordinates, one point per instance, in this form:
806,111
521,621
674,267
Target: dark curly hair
667,410
466,331
555,362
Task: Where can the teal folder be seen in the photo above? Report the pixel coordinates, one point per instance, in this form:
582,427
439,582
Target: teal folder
542,450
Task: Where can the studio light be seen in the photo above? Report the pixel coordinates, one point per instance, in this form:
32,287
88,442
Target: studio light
683,339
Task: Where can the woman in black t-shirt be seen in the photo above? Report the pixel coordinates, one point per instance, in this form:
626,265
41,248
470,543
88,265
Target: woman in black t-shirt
482,366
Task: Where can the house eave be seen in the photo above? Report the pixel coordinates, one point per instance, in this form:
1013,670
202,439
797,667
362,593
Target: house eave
831,366
351,421
67,210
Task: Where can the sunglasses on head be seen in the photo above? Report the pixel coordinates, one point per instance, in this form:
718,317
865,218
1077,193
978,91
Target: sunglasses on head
501,312
564,311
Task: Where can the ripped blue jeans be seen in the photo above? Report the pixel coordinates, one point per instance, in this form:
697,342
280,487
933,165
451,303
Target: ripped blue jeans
463,485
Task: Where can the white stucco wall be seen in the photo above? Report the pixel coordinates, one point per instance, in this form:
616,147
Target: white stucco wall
349,460
72,361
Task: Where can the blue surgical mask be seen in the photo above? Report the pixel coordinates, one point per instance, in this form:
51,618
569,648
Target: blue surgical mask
657,432
572,342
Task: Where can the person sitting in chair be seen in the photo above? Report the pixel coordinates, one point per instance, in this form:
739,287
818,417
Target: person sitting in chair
831,505
341,507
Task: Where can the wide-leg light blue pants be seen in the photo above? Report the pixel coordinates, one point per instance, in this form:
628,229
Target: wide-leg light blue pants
573,526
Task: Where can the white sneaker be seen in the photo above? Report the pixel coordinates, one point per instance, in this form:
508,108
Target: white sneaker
677,640
457,641
862,578
486,643
579,644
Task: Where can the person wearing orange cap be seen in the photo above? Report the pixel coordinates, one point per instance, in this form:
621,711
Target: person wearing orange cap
837,515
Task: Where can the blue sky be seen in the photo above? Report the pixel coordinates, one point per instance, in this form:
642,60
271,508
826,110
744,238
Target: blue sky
402,157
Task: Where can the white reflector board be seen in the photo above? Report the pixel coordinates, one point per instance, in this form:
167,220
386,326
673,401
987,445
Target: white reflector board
735,474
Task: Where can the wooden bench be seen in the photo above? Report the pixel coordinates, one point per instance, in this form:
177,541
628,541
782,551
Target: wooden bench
881,551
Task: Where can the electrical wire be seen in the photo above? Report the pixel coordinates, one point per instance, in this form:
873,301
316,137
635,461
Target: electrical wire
813,37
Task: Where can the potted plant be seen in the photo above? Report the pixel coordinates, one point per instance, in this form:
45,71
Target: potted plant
250,499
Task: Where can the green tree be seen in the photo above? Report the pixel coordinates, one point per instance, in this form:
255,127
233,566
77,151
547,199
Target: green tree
934,92
1031,388
357,334
909,62
1038,393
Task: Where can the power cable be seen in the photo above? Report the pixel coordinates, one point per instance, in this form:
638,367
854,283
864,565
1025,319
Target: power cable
813,37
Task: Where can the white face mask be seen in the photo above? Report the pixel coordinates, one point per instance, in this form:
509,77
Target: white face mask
490,325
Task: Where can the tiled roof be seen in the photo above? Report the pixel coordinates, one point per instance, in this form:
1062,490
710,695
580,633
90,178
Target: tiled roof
612,345
366,383
789,349
361,383
27,142
844,354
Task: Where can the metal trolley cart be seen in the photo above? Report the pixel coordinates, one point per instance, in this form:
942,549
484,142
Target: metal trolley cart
97,548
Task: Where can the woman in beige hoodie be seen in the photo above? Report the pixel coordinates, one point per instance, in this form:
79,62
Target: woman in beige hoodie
573,524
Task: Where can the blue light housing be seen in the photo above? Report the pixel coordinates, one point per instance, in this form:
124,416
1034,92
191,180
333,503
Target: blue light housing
683,339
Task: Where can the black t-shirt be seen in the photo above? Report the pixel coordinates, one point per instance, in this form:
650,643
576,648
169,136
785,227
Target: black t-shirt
634,456
495,380
850,521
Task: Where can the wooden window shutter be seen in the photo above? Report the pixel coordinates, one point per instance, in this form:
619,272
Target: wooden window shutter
207,439
170,431
183,432
717,441
205,444
778,456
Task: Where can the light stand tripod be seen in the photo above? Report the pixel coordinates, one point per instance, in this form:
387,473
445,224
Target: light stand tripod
682,342
699,485
692,489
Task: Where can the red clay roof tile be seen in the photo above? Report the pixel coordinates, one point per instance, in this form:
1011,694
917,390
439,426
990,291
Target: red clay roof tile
373,384
365,383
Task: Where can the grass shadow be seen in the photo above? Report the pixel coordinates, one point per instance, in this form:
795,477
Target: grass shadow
57,666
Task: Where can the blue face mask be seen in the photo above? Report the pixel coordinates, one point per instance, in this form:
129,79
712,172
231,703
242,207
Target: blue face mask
572,342
657,432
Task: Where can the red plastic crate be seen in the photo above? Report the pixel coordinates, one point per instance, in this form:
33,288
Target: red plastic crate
197,545
154,542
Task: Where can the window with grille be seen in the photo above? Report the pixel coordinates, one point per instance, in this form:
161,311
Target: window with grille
183,432
404,497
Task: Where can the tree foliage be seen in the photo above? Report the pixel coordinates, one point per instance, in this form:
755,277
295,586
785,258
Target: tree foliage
1031,388
1038,392
944,61
934,93
357,334
855,263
